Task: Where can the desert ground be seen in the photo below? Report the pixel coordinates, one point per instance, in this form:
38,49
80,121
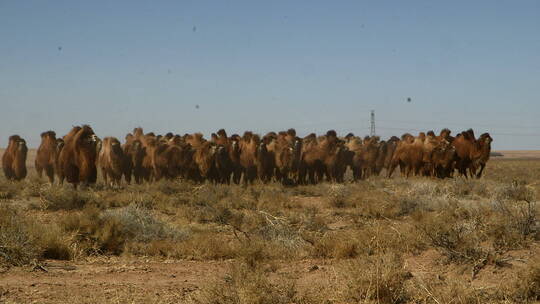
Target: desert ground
518,154
416,240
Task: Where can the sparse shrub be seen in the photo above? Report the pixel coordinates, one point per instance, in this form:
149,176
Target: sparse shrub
273,198
429,188
377,208
456,232
338,195
337,245
54,244
515,191
278,230
435,290
526,289
61,198
205,245
516,202
460,187
253,253
23,240
9,190
198,246
18,243
310,190
378,278
308,220
406,206
110,230
33,188
246,285
141,225
207,194
170,187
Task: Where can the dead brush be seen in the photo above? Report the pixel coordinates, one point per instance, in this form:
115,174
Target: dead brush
373,238
516,204
455,231
170,187
275,235
54,243
33,187
62,198
378,279
9,189
526,287
309,191
18,243
202,245
109,231
276,229
436,290
338,196
336,245
308,219
247,285
424,188
23,241
273,199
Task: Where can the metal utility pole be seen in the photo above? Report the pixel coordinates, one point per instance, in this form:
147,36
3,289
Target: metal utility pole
372,131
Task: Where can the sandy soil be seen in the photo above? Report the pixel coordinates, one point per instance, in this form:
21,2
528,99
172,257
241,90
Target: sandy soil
107,280
136,280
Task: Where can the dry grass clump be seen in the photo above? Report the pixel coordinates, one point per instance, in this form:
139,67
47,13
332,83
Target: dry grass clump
438,290
460,187
247,284
422,188
518,215
508,171
246,215
109,231
374,279
141,225
526,288
55,244
18,242
308,219
275,229
455,231
23,241
373,238
515,191
441,190
8,189
33,187
309,190
338,196
467,232
62,198
198,246
170,187
337,245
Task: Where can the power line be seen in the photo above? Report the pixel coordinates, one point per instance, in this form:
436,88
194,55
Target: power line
496,133
372,121
462,124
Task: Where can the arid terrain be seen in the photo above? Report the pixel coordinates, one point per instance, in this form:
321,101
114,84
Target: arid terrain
519,154
417,240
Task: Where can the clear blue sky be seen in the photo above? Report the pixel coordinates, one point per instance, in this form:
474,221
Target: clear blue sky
271,65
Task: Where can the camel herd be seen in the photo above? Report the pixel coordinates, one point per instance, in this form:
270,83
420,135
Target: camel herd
283,157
